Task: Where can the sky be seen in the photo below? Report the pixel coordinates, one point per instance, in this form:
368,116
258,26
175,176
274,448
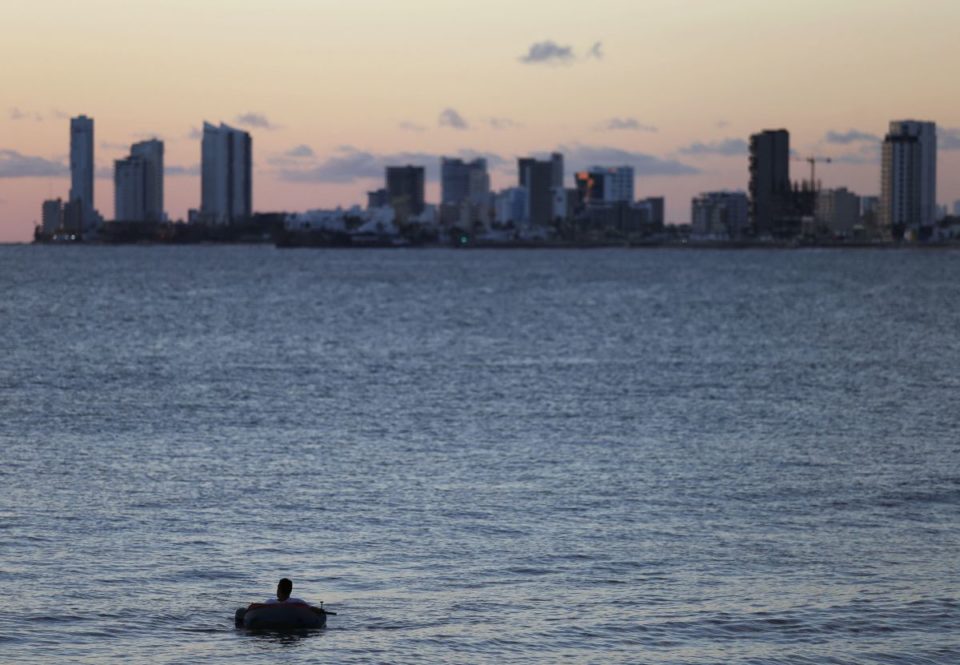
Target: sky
331,91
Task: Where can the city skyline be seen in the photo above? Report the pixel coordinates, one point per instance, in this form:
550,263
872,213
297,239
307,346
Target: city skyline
327,112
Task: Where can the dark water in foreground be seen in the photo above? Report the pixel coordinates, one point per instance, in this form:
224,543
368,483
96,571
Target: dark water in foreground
594,456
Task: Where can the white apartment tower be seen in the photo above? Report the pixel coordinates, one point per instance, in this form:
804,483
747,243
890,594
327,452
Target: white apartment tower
81,168
226,178
908,186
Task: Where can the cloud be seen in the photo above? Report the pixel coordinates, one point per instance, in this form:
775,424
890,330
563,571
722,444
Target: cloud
949,138
175,170
256,120
584,156
849,136
300,151
721,124
16,165
502,123
547,52
349,164
724,148
450,118
18,114
409,126
625,124
867,153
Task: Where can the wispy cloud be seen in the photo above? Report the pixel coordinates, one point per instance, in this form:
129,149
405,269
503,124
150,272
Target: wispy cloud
17,165
547,52
350,164
625,124
408,126
583,156
866,153
723,148
849,136
451,118
300,151
19,114
255,120
502,123
596,51
949,138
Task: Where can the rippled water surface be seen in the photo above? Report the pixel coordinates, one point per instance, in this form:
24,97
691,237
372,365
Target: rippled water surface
480,457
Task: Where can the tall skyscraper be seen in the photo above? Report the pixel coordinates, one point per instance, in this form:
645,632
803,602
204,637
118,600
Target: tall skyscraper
463,181
405,190
129,189
138,184
226,174
770,190
82,168
151,152
908,186
537,178
556,159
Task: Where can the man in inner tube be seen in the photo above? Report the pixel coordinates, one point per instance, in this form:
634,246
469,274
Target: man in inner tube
284,589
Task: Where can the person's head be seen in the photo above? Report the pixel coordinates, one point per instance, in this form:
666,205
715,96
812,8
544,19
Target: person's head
284,588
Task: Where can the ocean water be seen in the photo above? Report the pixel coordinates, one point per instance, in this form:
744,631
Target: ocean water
603,456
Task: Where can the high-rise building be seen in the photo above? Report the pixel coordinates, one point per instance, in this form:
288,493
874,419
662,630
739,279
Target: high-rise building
956,208
226,174
838,210
601,185
536,177
82,168
556,159
151,152
138,184
405,186
908,185
52,216
128,189
463,181
720,215
770,190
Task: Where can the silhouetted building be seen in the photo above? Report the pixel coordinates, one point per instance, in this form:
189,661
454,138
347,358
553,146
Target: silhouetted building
138,184
226,175
510,205
52,216
151,152
405,186
908,186
770,190
838,211
82,168
537,178
378,198
556,159
463,181
73,217
128,189
720,215
601,185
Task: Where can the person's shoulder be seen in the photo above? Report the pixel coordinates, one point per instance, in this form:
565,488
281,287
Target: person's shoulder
297,600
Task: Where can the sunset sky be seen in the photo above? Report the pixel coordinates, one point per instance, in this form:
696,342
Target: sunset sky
333,90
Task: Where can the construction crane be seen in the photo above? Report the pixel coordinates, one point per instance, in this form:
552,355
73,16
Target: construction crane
813,168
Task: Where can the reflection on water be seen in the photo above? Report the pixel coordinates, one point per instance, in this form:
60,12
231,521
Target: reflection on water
597,456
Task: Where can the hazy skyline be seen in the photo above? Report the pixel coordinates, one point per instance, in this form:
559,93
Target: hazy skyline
331,92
